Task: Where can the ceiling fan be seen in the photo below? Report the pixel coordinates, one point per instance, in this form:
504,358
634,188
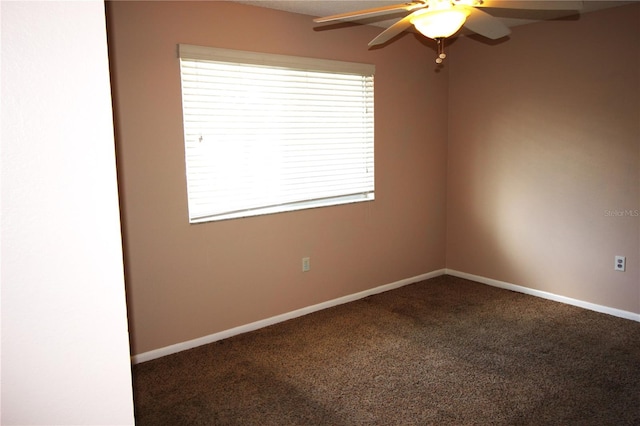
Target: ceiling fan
439,19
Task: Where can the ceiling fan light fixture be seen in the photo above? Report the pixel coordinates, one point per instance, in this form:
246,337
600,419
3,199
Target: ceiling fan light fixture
472,3
440,23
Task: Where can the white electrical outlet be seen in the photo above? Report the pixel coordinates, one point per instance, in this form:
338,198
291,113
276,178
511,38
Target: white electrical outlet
306,264
620,263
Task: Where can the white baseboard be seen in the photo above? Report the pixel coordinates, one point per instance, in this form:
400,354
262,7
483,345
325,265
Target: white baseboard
545,295
178,347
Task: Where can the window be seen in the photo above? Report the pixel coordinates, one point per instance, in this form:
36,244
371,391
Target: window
272,133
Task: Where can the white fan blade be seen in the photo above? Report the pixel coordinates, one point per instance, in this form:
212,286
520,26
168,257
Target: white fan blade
532,5
486,25
392,31
349,16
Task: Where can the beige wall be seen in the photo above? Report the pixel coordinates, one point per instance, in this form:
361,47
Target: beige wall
544,154
188,281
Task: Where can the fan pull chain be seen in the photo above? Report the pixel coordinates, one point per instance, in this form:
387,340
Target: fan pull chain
441,54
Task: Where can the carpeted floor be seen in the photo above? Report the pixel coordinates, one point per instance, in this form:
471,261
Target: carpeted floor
445,351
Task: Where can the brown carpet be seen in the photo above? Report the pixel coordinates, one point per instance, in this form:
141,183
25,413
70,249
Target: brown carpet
445,351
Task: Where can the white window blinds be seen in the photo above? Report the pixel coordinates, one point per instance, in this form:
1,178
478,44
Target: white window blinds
271,133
